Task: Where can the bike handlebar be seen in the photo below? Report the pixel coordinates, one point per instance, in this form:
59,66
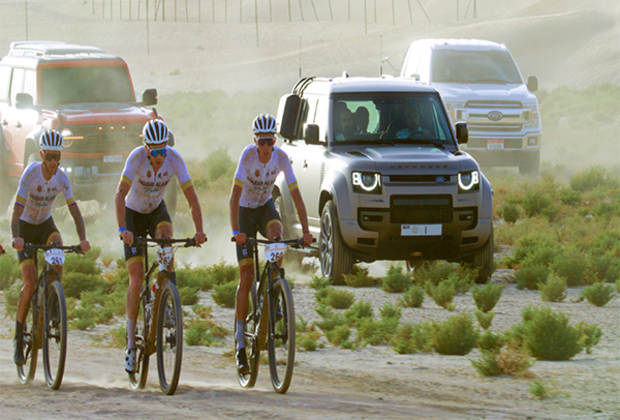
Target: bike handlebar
69,248
293,243
188,242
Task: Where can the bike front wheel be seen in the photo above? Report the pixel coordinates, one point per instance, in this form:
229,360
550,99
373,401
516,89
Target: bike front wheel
54,335
169,339
281,338
251,343
137,380
25,372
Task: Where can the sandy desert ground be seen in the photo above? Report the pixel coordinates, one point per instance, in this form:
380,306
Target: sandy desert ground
569,42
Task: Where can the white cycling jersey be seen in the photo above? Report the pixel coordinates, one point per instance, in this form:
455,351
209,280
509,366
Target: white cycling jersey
147,188
257,178
37,195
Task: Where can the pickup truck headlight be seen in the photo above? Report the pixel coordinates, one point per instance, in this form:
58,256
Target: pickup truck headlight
531,118
469,181
453,111
366,182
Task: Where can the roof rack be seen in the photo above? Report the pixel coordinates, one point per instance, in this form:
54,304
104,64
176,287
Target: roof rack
40,48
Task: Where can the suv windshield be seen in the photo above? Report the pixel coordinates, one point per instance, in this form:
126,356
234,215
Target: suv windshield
472,66
411,118
68,85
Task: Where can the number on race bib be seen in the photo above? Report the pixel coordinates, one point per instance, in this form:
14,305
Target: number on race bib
55,256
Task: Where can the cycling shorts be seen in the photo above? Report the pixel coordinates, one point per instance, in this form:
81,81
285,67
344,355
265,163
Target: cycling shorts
35,234
252,221
140,224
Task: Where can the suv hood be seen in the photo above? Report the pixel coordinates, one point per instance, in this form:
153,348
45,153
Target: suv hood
458,92
102,114
426,159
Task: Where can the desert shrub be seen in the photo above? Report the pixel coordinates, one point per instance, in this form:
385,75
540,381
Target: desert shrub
308,344
359,278
196,278
321,294
463,278
536,248
118,336
329,319
433,272
358,312
318,282
456,336
188,295
573,265
569,196
606,266
221,273
412,297
486,364
485,319
389,311
618,286
490,342
94,253
9,271
75,263
547,334
598,294
199,332
225,294
443,294
373,332
395,281
219,164
203,312
487,296
411,338
537,202
11,296
338,298
591,334
553,289
591,178
538,389
339,335
530,276
82,317
514,361
74,283
510,211
306,336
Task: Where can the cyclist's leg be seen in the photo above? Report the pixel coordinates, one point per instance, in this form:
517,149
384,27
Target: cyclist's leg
160,226
271,224
53,236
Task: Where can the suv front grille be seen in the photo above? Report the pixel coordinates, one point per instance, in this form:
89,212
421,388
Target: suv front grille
416,209
103,138
418,178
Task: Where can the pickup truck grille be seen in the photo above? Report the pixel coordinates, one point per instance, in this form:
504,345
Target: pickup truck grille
418,209
103,138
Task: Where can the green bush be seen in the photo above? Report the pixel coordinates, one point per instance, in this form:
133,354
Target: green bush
219,164
485,319
591,178
553,289
510,211
9,271
329,319
395,281
221,273
338,298
487,296
93,253
359,278
411,338
573,265
339,335
318,282
434,272
412,297
225,294
358,312
536,203
591,334
75,263
443,294
569,196
531,275
487,365
75,283
118,336
308,344
598,294
197,278
538,389
11,296
536,248
199,332
373,332
188,295
490,342
389,311
456,336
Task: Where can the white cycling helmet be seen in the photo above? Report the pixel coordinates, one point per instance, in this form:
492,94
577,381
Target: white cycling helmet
264,123
51,140
155,132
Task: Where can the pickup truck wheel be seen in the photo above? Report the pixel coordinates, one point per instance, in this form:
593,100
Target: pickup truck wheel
335,260
483,260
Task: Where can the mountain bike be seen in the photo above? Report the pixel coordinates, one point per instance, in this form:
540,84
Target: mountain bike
270,323
45,326
160,319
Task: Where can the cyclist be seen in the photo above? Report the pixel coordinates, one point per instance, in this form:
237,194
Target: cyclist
32,220
252,209
140,210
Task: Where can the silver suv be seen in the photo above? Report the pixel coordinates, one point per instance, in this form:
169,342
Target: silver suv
380,169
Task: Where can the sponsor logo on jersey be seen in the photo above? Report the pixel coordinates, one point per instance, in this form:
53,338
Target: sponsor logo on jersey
273,172
149,173
256,173
39,188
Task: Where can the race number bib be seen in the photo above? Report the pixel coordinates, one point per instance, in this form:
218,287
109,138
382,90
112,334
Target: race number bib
55,256
274,252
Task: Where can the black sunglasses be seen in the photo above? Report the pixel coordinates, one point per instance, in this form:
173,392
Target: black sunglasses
49,157
269,141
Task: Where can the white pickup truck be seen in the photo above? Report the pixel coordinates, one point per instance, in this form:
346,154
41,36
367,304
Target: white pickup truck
480,84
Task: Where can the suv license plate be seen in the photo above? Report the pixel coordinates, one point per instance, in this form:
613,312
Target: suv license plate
113,158
495,144
420,230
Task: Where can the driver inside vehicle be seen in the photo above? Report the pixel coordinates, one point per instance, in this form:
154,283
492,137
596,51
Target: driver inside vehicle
412,127
345,126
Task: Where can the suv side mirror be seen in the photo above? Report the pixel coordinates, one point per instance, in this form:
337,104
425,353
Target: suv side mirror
462,135
149,97
532,83
288,113
24,101
311,133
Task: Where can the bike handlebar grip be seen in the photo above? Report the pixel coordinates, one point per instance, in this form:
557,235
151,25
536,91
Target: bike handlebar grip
232,239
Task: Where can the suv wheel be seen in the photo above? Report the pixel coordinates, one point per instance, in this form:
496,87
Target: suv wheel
483,260
335,260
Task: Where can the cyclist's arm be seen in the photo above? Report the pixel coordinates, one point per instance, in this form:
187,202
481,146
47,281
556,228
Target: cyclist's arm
79,226
194,205
235,195
119,202
301,210
18,242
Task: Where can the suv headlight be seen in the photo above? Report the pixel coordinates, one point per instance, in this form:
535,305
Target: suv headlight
366,182
469,181
531,117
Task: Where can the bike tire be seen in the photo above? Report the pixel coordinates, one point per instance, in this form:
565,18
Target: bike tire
251,343
54,334
169,339
137,380
281,337
25,372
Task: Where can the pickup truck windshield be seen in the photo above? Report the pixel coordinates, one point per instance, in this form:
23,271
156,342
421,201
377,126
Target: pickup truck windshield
391,118
473,66
69,85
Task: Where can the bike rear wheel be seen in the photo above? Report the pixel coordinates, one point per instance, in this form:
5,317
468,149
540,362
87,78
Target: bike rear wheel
25,372
251,344
281,338
54,335
137,380
169,339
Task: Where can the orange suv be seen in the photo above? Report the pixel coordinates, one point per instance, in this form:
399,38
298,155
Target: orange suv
82,92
